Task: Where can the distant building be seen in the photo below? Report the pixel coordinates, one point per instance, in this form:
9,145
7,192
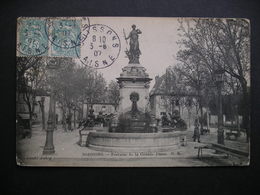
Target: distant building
22,107
165,98
105,108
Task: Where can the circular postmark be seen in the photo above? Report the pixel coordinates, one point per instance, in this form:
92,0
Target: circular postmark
31,38
100,48
63,32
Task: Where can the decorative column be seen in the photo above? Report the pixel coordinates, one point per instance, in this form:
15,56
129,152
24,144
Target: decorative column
49,147
52,65
41,103
219,82
200,105
133,79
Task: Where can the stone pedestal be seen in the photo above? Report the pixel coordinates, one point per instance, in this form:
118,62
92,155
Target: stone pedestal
134,128
133,79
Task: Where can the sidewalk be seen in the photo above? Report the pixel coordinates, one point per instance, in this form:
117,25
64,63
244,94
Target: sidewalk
69,152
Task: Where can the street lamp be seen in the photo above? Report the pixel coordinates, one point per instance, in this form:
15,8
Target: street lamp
49,147
41,103
200,105
189,106
219,81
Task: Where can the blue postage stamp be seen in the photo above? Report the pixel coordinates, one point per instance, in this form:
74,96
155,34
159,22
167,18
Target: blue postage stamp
63,34
31,37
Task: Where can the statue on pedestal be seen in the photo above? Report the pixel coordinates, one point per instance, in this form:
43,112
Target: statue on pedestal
134,52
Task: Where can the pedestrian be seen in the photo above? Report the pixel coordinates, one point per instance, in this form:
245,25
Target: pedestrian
68,120
196,135
56,121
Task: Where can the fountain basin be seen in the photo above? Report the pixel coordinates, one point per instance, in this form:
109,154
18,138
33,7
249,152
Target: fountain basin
126,142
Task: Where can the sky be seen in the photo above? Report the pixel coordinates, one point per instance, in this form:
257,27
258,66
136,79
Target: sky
157,43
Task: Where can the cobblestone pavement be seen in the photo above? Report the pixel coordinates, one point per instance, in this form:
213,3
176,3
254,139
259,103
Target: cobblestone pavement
68,152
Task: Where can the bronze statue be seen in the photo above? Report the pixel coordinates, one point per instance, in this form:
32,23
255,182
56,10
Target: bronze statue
134,52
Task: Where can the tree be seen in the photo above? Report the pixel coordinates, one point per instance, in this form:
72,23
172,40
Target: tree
233,40
83,77
63,84
175,88
219,44
89,86
113,93
30,77
197,80
95,88
74,84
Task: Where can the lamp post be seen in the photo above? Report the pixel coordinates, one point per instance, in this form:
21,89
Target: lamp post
189,106
219,81
209,96
41,103
200,105
49,147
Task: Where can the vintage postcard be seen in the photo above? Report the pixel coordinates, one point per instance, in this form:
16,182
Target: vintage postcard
132,92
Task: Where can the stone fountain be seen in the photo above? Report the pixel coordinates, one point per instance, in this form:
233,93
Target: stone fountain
134,127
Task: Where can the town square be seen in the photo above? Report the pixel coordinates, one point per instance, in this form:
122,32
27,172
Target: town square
133,92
